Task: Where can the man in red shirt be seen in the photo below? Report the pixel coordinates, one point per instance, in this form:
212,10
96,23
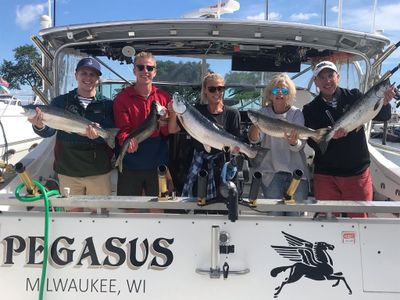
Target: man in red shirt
131,108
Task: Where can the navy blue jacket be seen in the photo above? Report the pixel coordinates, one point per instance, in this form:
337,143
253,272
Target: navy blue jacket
76,155
347,156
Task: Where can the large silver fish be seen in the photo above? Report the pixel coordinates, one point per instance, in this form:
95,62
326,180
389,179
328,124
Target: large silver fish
205,131
142,132
64,120
362,111
278,128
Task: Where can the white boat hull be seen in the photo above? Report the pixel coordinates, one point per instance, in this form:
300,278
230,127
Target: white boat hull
168,249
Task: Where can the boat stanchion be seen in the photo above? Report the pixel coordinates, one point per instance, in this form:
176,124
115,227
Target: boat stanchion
202,187
217,243
31,188
254,188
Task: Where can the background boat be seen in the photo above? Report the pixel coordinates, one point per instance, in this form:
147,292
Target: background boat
16,135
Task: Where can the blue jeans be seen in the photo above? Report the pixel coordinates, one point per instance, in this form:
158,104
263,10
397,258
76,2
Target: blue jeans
278,187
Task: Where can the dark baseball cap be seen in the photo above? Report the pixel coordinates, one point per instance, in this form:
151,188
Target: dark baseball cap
89,62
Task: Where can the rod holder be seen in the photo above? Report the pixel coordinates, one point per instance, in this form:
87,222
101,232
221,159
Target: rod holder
162,183
31,188
40,94
294,183
254,188
39,70
202,187
39,43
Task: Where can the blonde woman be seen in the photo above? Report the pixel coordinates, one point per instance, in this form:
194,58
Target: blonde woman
286,154
213,108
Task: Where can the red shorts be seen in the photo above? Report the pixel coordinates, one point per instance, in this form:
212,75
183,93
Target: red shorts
356,188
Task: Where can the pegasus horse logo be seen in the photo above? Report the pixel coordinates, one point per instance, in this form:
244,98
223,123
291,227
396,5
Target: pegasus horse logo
311,261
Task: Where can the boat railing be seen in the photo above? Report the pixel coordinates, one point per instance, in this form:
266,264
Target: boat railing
189,205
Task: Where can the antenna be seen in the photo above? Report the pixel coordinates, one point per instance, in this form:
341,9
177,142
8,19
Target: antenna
373,15
214,11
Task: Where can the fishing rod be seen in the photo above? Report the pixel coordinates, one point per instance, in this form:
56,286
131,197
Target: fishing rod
388,74
385,54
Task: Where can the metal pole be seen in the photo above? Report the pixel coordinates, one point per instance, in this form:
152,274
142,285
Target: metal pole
340,13
49,9
266,9
324,21
374,14
54,13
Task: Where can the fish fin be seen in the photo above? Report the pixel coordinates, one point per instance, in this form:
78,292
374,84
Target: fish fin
323,145
377,104
207,148
110,140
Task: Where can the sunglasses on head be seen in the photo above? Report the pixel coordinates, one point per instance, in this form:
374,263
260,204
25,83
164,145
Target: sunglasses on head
148,68
284,91
213,89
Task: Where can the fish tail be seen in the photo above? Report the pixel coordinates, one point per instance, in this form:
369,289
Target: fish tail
322,138
110,140
320,134
118,163
323,145
260,154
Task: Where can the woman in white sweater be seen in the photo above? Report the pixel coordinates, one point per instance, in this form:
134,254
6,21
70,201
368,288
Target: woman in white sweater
286,154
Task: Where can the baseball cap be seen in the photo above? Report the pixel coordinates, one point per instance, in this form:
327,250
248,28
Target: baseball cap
326,64
89,62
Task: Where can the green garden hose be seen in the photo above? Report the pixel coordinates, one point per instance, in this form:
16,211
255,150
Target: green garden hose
45,196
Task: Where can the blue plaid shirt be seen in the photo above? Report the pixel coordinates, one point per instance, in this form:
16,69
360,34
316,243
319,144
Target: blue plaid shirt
195,167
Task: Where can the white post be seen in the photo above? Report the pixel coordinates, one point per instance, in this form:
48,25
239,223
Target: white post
49,10
340,13
373,16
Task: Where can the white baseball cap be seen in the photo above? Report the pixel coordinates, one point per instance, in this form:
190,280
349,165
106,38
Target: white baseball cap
326,64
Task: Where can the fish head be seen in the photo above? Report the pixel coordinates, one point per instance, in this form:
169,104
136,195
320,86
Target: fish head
29,110
381,88
161,110
253,116
178,104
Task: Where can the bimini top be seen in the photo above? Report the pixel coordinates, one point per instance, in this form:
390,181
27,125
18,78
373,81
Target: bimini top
288,42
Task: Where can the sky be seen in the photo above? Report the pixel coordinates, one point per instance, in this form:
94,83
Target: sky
20,18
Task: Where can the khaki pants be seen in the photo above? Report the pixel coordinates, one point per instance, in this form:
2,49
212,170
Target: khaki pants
89,185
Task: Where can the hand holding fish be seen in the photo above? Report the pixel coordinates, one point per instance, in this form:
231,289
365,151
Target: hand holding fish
37,120
91,131
254,134
389,94
339,133
292,137
173,126
133,145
